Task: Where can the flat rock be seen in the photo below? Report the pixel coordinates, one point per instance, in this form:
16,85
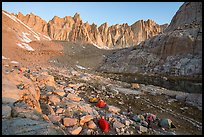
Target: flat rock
26,126
85,119
113,109
59,92
49,88
68,89
92,125
181,97
6,111
70,121
54,118
47,109
127,123
46,79
141,129
135,86
118,124
59,110
75,130
73,97
54,98
24,113
87,108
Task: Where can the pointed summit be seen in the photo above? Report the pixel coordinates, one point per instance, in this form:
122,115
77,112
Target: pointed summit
77,17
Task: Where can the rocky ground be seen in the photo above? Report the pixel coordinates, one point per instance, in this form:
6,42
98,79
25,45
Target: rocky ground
53,100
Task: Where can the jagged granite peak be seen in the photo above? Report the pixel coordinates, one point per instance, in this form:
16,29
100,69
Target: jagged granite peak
73,29
77,17
34,22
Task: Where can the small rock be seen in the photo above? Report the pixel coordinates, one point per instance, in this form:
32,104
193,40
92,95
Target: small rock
60,93
54,118
118,124
46,79
116,92
73,97
138,118
88,132
91,125
122,130
85,119
171,100
59,110
144,123
127,123
72,85
50,109
109,115
54,98
135,86
33,78
75,130
117,130
20,86
113,109
70,121
141,129
103,88
45,117
139,132
67,89
181,97
49,88
120,102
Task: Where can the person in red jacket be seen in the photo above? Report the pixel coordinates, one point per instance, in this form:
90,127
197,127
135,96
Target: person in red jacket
103,124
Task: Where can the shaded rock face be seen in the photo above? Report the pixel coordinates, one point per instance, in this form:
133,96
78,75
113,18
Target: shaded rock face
176,52
25,126
188,14
73,29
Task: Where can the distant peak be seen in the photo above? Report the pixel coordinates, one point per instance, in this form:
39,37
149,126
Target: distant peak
19,13
32,14
77,15
105,24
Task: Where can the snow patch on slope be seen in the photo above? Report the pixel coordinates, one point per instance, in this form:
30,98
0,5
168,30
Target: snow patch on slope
80,67
25,46
14,62
19,21
4,57
38,38
25,38
100,47
47,37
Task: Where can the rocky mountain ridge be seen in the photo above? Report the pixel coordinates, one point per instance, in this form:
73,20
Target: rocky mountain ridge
176,52
74,30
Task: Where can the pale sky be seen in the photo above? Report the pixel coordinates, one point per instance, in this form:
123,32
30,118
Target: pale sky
99,12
